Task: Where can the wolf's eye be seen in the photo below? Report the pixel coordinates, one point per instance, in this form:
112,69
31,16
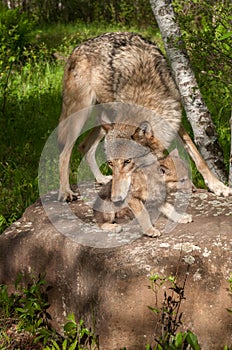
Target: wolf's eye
110,163
127,161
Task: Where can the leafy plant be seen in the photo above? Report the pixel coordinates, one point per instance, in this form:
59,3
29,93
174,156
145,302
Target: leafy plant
25,321
15,32
170,316
76,336
230,290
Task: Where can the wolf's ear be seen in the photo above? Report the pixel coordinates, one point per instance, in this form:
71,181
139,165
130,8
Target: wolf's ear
144,130
145,127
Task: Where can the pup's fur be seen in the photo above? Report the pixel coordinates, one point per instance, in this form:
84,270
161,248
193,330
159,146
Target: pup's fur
121,67
137,178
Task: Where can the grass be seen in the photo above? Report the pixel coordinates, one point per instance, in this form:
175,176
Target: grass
33,107
58,35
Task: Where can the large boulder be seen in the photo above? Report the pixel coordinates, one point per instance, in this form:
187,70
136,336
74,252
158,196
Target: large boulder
105,275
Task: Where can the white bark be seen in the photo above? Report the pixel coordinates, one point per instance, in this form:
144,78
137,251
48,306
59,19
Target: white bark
197,113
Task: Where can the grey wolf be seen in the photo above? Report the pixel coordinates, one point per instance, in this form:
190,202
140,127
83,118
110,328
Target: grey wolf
138,177
125,68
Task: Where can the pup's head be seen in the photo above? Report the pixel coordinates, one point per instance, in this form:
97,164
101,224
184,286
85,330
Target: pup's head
124,156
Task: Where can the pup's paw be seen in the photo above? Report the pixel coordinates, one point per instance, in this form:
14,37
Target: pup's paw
152,232
111,227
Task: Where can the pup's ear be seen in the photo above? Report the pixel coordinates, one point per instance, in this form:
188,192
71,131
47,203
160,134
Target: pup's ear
144,130
174,153
106,123
107,127
164,170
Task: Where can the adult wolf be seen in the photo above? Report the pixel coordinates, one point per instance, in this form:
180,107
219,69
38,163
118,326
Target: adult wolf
122,67
139,177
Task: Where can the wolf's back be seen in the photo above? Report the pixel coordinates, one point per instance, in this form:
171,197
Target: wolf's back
122,67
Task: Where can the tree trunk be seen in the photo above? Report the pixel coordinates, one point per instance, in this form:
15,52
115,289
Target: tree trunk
197,113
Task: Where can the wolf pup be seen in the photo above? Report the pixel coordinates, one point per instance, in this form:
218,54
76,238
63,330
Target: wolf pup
122,67
137,178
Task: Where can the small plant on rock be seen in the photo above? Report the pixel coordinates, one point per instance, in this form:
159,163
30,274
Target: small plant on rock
170,316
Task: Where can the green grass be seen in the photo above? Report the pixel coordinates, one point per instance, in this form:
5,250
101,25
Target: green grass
59,35
33,108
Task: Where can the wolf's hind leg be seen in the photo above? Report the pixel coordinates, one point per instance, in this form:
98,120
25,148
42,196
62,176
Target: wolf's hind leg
170,212
215,185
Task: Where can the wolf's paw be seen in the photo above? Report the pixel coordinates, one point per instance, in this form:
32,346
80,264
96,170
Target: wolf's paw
185,218
152,232
219,188
67,195
111,227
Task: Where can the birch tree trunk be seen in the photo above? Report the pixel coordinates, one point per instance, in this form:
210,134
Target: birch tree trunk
197,113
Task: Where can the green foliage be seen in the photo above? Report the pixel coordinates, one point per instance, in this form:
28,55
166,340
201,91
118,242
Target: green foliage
28,304
206,32
230,290
30,81
15,31
26,309
126,12
170,317
230,283
76,337
180,341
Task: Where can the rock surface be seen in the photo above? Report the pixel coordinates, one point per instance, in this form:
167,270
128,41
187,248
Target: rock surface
105,274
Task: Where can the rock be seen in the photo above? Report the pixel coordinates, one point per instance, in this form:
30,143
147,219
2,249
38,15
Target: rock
105,275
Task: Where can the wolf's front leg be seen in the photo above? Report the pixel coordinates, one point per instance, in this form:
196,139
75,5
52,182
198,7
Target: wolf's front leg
65,191
143,217
88,148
